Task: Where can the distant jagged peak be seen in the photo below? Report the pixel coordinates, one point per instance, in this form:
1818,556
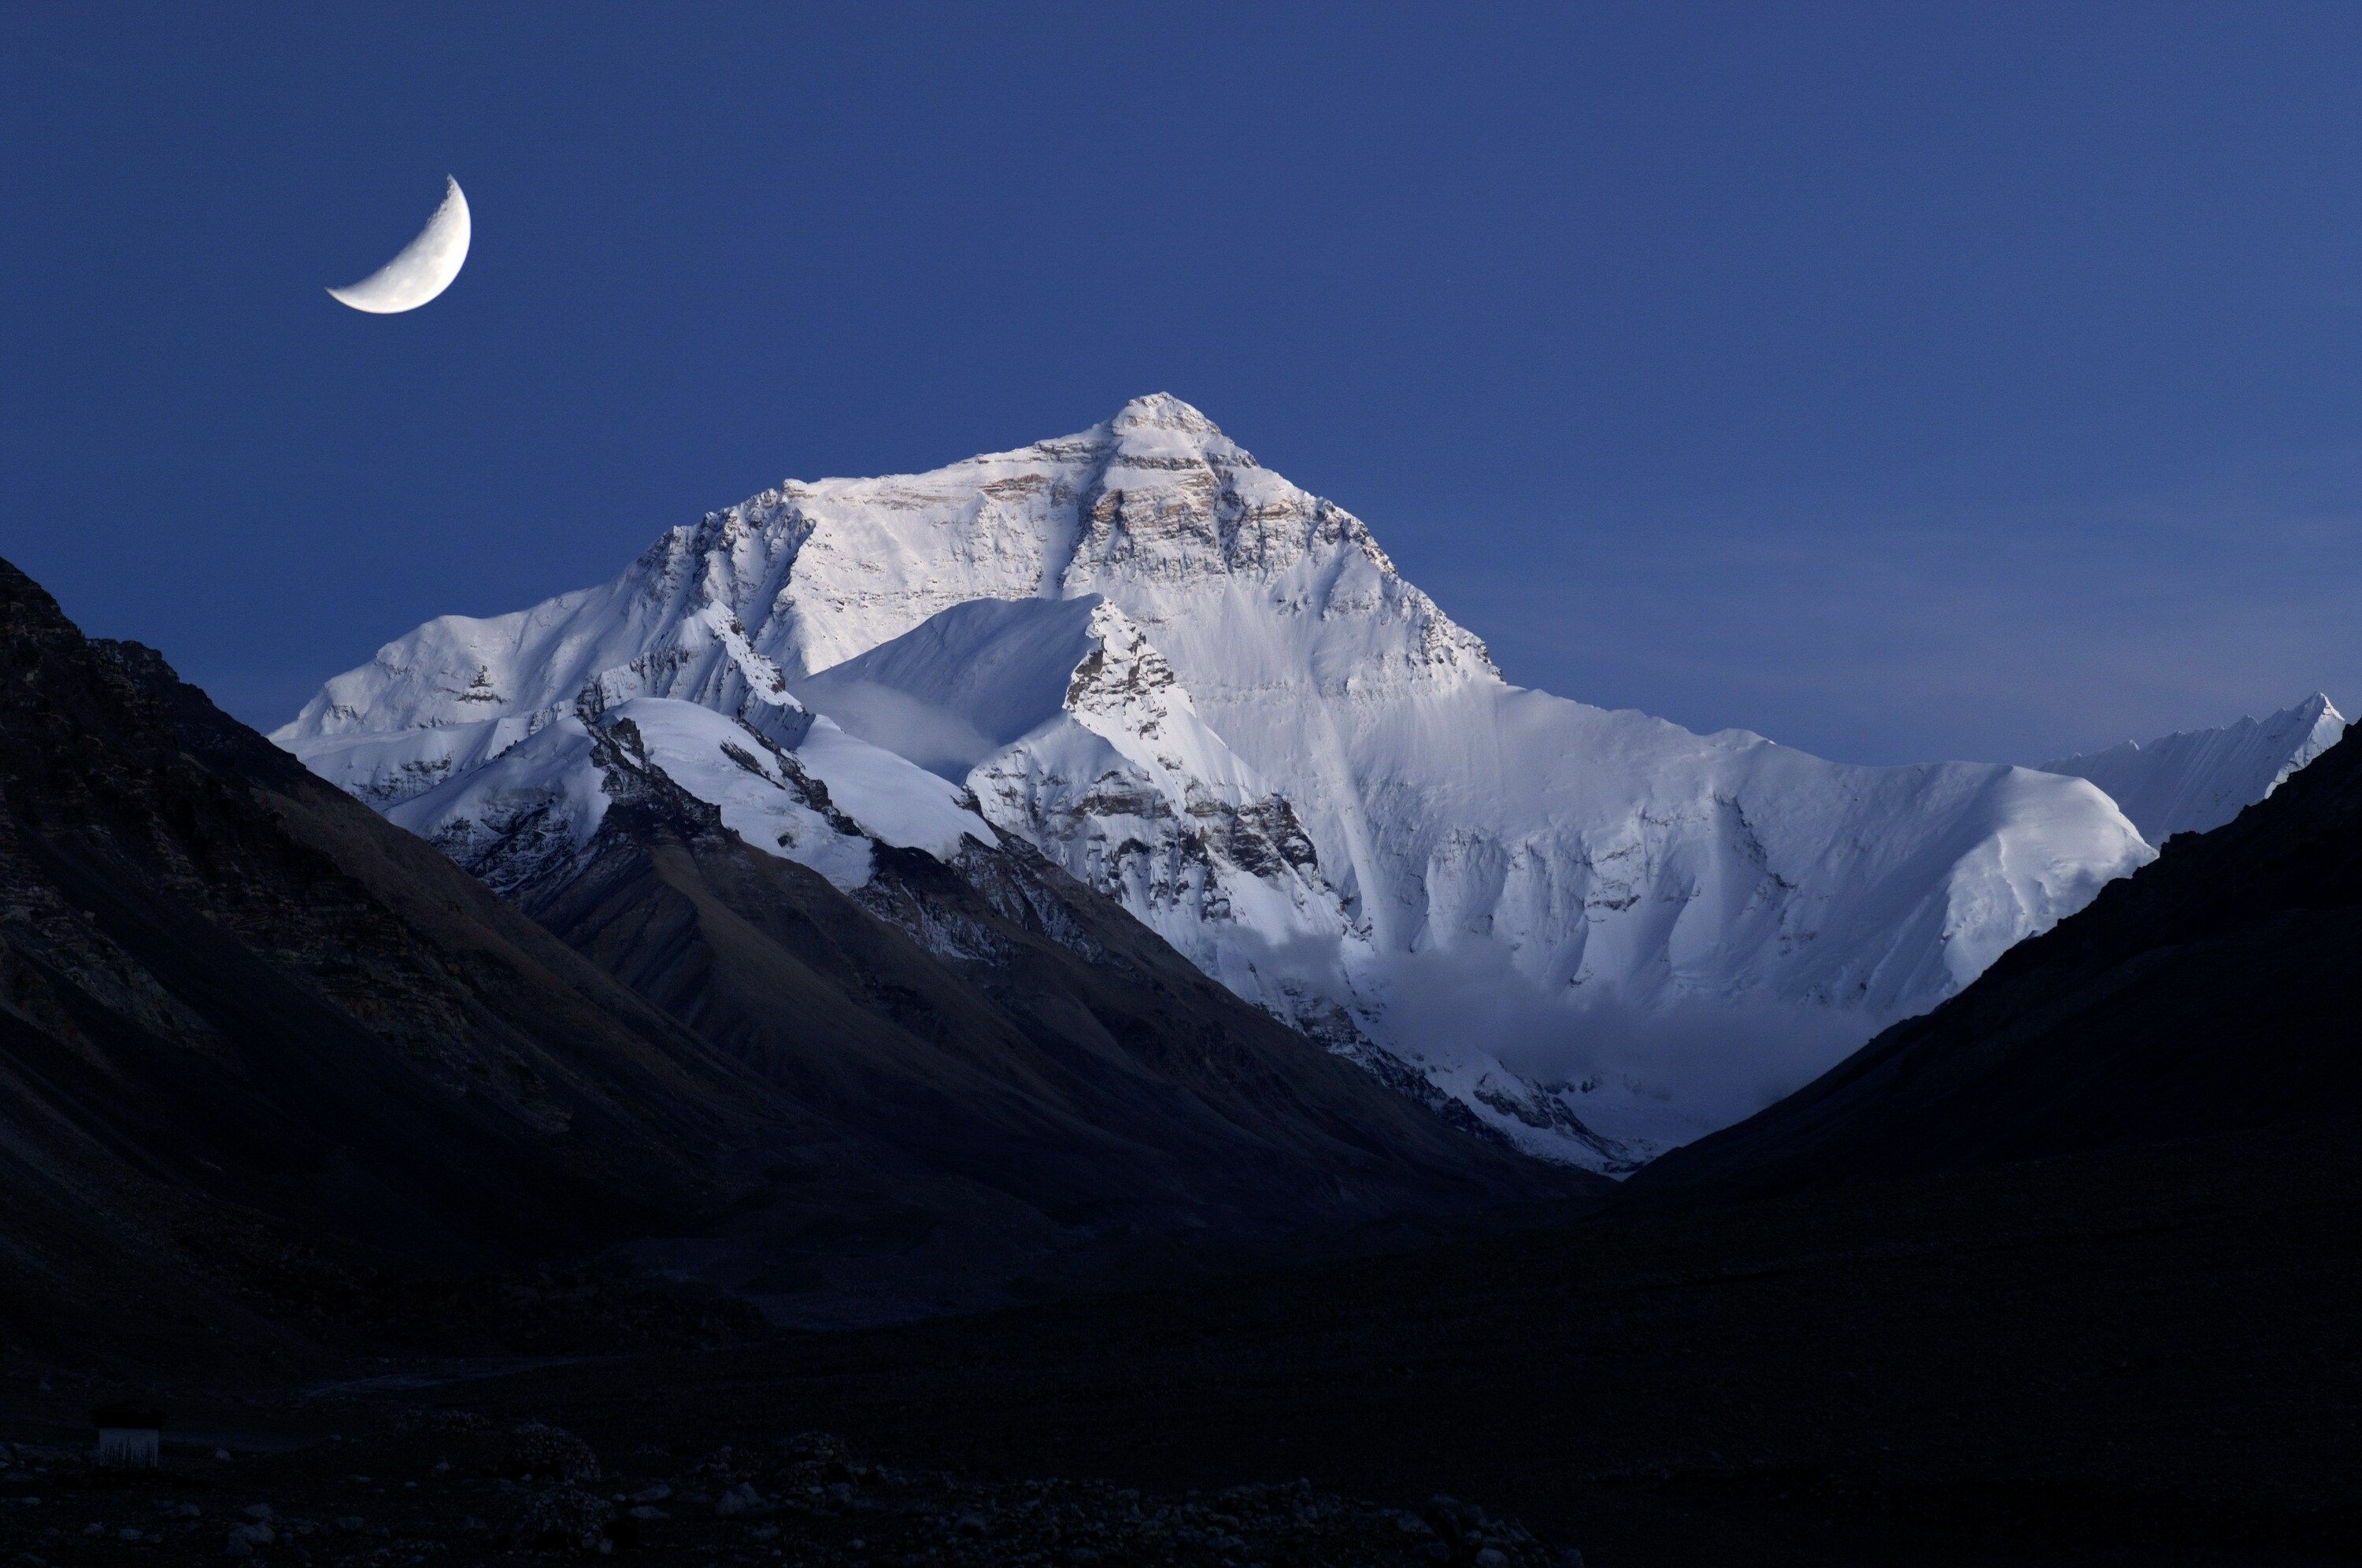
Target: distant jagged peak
2194,780
2317,708
2318,720
2306,718
2321,724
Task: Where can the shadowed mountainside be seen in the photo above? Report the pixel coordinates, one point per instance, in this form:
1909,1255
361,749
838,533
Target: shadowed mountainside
1045,1048
2143,1356
256,1043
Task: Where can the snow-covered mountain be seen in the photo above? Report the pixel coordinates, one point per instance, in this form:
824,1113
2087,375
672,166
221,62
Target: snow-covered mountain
2195,780
1210,695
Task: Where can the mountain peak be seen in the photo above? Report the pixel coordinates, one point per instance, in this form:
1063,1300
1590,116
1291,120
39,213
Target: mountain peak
1162,411
2318,706
1162,426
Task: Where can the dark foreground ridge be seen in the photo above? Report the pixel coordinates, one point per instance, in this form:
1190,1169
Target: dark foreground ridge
2141,1356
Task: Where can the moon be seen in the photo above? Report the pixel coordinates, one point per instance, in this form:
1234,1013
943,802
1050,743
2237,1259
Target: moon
424,267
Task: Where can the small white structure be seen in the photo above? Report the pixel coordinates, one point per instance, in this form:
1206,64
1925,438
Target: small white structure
130,1436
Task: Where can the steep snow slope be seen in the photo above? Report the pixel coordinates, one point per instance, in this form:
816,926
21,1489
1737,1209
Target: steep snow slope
1602,933
1068,729
2196,780
529,815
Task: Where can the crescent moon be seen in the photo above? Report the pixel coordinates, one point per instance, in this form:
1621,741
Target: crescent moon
424,267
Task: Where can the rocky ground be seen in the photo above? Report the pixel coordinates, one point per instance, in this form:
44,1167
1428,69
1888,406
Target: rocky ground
2141,1359
451,1485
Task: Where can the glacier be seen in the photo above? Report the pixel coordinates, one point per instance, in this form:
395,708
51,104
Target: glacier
1210,695
2195,780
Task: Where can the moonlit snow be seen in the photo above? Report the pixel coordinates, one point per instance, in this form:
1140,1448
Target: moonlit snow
1210,695
2200,779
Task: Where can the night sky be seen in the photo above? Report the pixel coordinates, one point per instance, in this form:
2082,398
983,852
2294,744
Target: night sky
1900,382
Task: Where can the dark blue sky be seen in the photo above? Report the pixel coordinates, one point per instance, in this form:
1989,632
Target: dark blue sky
1900,381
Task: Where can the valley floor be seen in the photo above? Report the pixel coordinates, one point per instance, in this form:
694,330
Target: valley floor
2143,1356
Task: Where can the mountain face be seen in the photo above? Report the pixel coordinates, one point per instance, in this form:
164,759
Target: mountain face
1210,695
2206,993
256,1041
999,1029
713,871
1067,728
2196,780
